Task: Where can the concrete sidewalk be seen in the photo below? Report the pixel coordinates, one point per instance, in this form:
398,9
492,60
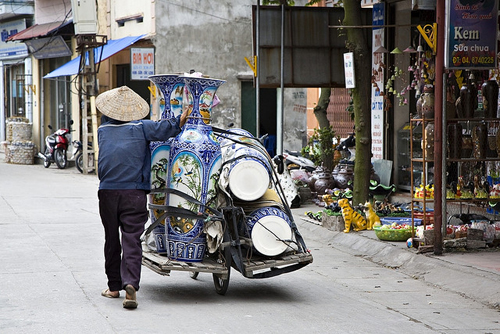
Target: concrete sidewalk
474,274
45,213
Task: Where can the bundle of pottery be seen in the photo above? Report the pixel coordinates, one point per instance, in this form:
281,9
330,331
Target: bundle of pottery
246,177
189,164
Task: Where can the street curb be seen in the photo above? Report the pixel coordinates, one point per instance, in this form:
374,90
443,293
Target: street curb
464,280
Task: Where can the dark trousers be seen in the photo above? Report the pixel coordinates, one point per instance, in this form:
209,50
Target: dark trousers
123,211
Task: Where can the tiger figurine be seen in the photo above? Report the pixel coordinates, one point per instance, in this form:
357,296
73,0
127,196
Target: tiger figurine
372,219
351,217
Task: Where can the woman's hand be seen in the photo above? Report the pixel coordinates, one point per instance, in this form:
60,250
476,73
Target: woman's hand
183,118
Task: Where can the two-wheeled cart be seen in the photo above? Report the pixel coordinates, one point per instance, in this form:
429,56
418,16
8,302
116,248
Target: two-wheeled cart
235,247
235,251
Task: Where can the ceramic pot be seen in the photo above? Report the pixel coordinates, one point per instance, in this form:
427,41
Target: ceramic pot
480,141
428,102
419,107
324,182
314,177
455,140
373,175
490,98
346,174
428,141
194,169
468,100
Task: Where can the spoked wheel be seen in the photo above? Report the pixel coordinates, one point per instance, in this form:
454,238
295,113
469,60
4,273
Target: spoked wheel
221,284
46,162
60,158
79,162
194,274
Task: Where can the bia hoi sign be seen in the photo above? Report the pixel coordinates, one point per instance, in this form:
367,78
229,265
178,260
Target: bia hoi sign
471,39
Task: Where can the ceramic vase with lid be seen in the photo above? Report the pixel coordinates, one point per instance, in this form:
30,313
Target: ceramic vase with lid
171,87
428,102
194,169
324,182
490,98
345,175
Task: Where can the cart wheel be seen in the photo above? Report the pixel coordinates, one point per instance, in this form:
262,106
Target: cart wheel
194,274
221,285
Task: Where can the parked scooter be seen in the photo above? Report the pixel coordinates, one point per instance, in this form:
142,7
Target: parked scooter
294,160
56,146
78,156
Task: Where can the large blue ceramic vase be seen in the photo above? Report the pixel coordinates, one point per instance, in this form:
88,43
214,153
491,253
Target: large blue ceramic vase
194,169
171,88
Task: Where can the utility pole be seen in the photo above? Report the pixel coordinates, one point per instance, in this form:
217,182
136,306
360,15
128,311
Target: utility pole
87,91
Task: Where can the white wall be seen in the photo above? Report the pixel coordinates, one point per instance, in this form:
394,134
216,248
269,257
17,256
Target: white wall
47,11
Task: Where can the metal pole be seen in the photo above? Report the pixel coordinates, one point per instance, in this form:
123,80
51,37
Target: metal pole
438,129
257,79
279,118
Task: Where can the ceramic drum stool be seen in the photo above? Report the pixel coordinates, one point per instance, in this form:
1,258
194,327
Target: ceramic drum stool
245,165
270,230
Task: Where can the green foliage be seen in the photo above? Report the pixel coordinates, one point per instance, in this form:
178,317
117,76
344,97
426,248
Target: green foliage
320,144
350,107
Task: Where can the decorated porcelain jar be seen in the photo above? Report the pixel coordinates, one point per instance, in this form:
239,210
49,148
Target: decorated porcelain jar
194,169
171,88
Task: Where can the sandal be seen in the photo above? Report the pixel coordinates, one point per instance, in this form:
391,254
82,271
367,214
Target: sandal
130,300
109,294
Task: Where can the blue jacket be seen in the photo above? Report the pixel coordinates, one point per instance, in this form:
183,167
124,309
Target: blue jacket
124,155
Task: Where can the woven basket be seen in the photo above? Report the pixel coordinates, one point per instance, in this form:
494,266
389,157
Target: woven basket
22,153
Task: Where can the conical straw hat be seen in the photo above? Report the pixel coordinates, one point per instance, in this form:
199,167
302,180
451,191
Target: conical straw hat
122,104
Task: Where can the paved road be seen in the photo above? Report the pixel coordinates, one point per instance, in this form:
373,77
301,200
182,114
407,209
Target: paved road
52,274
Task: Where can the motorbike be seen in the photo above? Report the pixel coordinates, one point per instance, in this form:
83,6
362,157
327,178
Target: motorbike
294,160
78,156
347,148
56,146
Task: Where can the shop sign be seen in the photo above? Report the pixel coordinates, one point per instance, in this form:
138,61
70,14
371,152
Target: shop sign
377,107
471,39
142,63
9,50
350,81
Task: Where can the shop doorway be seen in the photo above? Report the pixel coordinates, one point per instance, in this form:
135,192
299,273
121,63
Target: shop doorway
267,112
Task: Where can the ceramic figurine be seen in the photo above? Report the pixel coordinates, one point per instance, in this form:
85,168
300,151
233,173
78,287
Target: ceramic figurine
351,217
372,219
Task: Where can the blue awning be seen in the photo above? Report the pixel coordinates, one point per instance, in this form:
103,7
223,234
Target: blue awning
113,46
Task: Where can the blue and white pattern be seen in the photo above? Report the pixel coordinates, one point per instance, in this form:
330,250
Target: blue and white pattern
194,169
